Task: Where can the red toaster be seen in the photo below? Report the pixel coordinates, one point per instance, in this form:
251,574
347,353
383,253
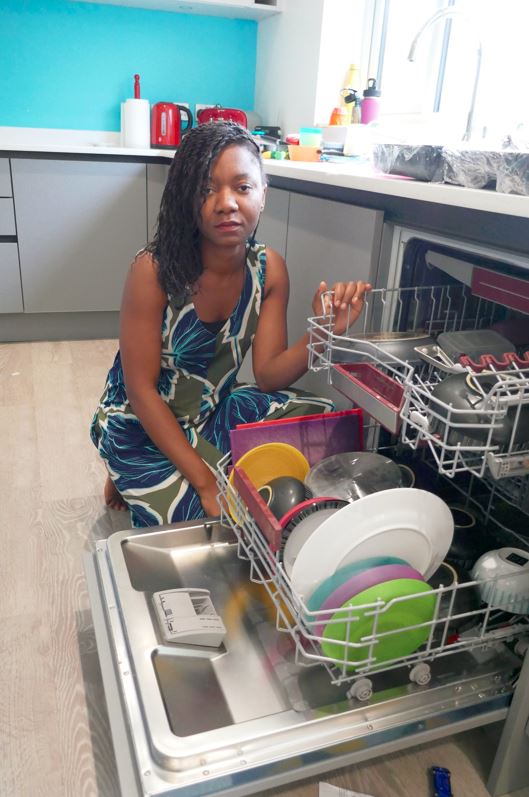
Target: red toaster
218,113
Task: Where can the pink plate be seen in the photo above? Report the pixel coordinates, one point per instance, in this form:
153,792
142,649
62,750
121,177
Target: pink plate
360,582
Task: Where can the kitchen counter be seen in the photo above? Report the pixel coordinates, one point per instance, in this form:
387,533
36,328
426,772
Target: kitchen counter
97,144
489,218
364,178
97,151
348,177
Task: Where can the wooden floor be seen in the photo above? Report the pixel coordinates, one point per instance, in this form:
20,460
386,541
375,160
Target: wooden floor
54,732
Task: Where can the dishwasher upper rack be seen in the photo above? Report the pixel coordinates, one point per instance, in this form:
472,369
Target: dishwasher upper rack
478,628
400,395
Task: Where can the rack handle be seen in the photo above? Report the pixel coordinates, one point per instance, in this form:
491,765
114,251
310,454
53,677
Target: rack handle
327,304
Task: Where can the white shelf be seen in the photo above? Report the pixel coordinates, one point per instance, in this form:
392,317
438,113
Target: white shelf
236,9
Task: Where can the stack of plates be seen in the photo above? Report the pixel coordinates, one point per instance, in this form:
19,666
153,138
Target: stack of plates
334,562
410,524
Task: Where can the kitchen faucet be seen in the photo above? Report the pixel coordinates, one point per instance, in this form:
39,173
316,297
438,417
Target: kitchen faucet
444,13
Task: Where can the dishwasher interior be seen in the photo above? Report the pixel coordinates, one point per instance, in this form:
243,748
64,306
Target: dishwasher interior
267,706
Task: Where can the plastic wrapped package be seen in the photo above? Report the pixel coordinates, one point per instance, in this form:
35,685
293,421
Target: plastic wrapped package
513,173
422,162
471,168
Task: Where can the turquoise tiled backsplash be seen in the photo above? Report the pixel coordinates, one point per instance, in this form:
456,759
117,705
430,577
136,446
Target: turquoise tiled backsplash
69,65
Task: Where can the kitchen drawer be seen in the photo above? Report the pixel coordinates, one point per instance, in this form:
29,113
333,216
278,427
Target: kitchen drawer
10,287
5,178
7,217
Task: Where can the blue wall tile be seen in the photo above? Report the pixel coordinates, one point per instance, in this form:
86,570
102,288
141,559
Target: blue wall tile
69,65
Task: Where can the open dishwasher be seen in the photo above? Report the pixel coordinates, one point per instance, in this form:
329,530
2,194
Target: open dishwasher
266,706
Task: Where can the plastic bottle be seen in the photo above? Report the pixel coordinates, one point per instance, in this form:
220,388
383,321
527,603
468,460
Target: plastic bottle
338,116
371,103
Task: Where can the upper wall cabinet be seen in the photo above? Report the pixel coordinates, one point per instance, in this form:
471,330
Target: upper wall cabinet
239,9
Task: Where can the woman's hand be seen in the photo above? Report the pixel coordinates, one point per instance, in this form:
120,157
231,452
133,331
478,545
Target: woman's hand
346,304
209,501
209,498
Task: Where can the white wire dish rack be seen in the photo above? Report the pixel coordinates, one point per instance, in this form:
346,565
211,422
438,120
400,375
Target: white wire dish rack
449,627
488,436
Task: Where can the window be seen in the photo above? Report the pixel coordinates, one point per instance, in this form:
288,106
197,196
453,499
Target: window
441,79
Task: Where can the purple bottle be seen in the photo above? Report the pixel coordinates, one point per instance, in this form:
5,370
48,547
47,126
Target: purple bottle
370,108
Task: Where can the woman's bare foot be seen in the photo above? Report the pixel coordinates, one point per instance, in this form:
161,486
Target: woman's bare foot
113,498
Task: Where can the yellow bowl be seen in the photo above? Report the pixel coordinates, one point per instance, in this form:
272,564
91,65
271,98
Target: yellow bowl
264,463
298,153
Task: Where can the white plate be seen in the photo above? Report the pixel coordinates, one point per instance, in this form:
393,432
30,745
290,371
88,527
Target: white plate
412,524
301,533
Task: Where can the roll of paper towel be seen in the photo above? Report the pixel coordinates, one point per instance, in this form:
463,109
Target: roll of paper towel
136,124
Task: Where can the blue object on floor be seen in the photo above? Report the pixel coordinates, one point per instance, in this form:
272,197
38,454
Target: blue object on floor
441,782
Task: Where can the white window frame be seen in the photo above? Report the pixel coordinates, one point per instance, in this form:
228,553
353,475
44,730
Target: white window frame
375,22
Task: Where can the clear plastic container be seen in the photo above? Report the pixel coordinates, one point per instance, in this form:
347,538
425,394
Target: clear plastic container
310,136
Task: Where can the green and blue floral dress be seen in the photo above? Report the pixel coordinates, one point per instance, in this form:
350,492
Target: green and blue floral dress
199,367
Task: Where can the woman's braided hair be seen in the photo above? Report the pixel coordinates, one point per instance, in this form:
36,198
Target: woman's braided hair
176,243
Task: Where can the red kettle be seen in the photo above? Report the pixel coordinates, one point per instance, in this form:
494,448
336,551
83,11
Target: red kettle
218,113
166,128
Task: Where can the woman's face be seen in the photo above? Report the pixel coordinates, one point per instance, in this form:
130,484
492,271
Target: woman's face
234,199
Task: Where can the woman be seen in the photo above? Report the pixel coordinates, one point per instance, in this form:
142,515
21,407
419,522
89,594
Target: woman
199,295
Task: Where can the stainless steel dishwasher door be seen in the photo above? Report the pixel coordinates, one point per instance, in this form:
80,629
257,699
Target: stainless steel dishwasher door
188,720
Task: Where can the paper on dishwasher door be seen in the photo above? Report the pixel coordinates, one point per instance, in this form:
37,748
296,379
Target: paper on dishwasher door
327,790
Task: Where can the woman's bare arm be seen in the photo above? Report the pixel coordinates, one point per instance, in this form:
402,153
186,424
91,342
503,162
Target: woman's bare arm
277,366
141,317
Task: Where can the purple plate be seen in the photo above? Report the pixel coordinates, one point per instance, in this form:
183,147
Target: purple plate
360,582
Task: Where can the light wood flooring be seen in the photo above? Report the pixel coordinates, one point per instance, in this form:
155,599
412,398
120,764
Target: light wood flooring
54,732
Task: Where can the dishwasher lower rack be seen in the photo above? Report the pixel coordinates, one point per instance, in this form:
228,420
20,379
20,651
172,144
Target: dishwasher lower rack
448,630
487,436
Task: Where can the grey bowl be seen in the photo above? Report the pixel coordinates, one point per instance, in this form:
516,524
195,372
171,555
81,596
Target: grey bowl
282,494
457,392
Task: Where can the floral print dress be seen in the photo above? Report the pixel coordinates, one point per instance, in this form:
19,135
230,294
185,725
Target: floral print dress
199,367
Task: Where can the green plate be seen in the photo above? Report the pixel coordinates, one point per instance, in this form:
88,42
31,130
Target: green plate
398,616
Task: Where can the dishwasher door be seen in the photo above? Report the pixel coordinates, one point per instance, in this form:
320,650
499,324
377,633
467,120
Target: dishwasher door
190,720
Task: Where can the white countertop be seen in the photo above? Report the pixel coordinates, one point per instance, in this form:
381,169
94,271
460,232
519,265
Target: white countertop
347,175
88,149
73,142
363,178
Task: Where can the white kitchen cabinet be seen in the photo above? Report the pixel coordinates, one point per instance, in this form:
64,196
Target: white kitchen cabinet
5,178
156,179
10,287
79,224
238,9
320,240
7,217
272,229
329,241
